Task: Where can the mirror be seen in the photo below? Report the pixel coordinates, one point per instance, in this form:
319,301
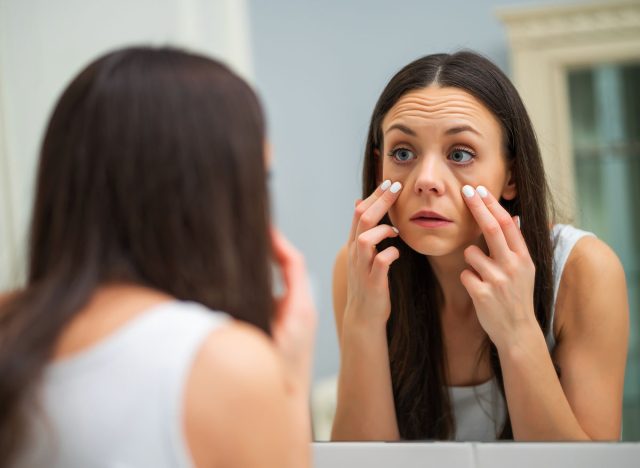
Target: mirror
319,68
549,68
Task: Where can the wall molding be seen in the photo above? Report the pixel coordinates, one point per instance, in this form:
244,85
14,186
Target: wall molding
545,43
543,25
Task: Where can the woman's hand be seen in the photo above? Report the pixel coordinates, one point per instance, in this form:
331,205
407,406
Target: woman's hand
501,285
368,298
295,320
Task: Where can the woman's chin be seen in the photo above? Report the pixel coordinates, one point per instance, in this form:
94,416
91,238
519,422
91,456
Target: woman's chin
432,245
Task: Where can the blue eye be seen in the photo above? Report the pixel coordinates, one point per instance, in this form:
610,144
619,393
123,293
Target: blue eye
461,156
402,155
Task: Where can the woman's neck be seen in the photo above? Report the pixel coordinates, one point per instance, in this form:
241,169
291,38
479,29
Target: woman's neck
447,269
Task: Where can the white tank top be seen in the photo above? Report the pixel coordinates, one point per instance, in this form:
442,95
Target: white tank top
479,411
119,403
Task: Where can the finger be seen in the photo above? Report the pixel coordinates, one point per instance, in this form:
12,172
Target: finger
510,229
381,263
367,241
362,205
291,263
484,266
472,283
489,225
374,213
284,252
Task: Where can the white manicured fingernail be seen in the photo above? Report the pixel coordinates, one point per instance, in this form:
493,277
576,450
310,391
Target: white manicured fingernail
395,229
396,187
518,221
468,191
385,185
482,191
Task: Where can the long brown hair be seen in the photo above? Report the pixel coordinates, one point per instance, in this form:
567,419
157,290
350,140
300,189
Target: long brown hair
416,350
151,172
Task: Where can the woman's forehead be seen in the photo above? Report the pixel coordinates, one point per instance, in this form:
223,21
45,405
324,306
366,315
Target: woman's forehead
440,105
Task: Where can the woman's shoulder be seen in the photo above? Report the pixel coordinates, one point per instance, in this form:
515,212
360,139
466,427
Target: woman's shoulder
236,380
594,266
592,283
589,256
237,348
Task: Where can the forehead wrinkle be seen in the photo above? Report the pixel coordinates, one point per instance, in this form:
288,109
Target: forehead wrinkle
436,113
434,100
423,100
437,109
417,108
474,118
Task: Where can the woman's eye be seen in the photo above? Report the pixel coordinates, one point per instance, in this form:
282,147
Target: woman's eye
461,156
402,154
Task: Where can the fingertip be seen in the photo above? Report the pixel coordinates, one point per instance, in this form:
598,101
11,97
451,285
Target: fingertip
468,191
396,253
463,276
482,191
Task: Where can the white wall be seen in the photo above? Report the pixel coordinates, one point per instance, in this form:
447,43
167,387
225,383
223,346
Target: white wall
44,43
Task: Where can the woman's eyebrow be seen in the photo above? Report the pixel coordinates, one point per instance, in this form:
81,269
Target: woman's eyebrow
462,128
402,128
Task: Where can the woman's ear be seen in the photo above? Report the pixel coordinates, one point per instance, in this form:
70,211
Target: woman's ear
510,191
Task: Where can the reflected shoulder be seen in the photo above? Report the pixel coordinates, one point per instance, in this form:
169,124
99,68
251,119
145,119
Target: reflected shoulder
593,285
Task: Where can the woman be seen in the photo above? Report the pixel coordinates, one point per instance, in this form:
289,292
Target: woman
472,319
147,333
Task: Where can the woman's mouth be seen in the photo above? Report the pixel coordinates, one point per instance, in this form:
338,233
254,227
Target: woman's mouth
430,219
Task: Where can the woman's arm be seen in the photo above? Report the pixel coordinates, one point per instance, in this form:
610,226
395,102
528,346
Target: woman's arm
362,306
365,409
240,409
593,328
585,404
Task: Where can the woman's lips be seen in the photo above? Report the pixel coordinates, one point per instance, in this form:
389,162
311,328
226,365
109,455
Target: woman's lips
430,219
431,222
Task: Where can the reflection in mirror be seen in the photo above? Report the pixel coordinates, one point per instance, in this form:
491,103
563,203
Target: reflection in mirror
460,314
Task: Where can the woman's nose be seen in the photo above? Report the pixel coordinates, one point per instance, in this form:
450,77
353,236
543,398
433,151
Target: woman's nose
429,178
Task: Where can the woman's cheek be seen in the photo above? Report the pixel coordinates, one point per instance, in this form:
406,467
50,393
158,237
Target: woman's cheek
393,172
393,215
398,212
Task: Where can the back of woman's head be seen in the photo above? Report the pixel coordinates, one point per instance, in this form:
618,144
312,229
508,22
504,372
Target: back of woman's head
151,172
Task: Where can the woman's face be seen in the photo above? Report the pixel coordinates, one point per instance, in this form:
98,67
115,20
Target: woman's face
436,140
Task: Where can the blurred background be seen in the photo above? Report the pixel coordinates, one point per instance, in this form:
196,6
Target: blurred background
319,67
